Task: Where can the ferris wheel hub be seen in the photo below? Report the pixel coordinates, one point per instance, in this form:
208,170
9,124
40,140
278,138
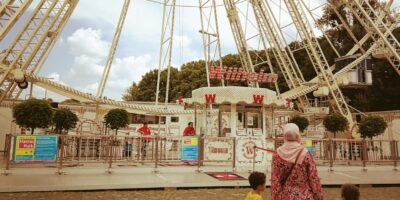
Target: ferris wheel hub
18,75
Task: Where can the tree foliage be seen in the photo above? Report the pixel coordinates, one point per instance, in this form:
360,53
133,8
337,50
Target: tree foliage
116,119
300,121
64,119
33,113
372,126
335,123
71,101
131,93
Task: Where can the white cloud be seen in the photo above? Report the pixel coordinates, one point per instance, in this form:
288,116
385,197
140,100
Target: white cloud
86,67
130,68
54,76
182,40
91,88
124,71
86,41
89,50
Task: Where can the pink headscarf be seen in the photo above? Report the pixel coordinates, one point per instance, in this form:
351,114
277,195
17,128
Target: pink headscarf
292,145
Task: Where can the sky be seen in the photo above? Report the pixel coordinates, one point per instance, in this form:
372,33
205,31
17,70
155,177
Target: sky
79,56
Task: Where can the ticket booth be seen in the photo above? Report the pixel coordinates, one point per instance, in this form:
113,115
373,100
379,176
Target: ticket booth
236,112
233,111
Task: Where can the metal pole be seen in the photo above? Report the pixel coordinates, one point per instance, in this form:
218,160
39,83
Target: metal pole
8,153
60,172
234,155
30,90
111,146
156,162
199,150
395,153
205,50
195,117
272,123
331,153
254,158
113,47
364,153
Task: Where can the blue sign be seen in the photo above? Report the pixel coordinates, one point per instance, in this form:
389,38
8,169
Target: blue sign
189,149
46,148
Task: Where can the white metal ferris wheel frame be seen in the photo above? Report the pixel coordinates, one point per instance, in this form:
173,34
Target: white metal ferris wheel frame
32,44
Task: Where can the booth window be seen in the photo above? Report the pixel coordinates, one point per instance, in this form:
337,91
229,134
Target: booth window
174,119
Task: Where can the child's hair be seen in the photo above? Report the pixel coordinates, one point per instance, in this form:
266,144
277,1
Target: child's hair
350,192
256,179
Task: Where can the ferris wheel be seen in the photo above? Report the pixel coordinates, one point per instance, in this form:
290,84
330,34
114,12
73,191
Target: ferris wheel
257,26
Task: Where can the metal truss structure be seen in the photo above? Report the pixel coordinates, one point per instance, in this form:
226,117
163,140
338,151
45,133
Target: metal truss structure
166,46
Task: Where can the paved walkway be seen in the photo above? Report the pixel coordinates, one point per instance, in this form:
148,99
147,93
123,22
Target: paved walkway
388,193
95,178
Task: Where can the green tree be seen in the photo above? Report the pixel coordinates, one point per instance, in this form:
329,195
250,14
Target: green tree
116,119
300,121
145,90
335,123
64,119
371,126
33,113
71,101
131,93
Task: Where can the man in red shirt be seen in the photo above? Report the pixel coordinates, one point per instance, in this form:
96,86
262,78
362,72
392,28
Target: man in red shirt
145,132
189,130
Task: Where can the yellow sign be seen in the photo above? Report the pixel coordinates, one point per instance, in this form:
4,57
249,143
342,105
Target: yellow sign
308,143
189,141
25,147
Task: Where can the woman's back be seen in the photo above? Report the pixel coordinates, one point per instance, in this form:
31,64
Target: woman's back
302,183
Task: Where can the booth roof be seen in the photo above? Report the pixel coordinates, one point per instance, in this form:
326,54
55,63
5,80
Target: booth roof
234,95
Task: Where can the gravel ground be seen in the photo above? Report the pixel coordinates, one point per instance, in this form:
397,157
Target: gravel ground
367,193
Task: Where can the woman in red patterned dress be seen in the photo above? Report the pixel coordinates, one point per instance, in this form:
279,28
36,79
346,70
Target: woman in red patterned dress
294,174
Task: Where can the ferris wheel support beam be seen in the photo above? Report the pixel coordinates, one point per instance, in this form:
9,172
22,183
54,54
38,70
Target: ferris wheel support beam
33,42
113,48
390,42
10,12
317,57
267,25
271,69
207,31
321,29
166,45
347,27
313,84
61,15
239,35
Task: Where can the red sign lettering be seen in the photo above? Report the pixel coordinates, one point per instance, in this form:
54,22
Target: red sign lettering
249,150
289,103
258,99
210,98
218,72
180,99
237,74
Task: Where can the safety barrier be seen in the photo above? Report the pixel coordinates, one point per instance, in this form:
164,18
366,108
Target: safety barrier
352,151
156,151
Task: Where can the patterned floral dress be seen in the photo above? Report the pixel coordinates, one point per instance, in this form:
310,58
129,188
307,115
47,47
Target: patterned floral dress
302,184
